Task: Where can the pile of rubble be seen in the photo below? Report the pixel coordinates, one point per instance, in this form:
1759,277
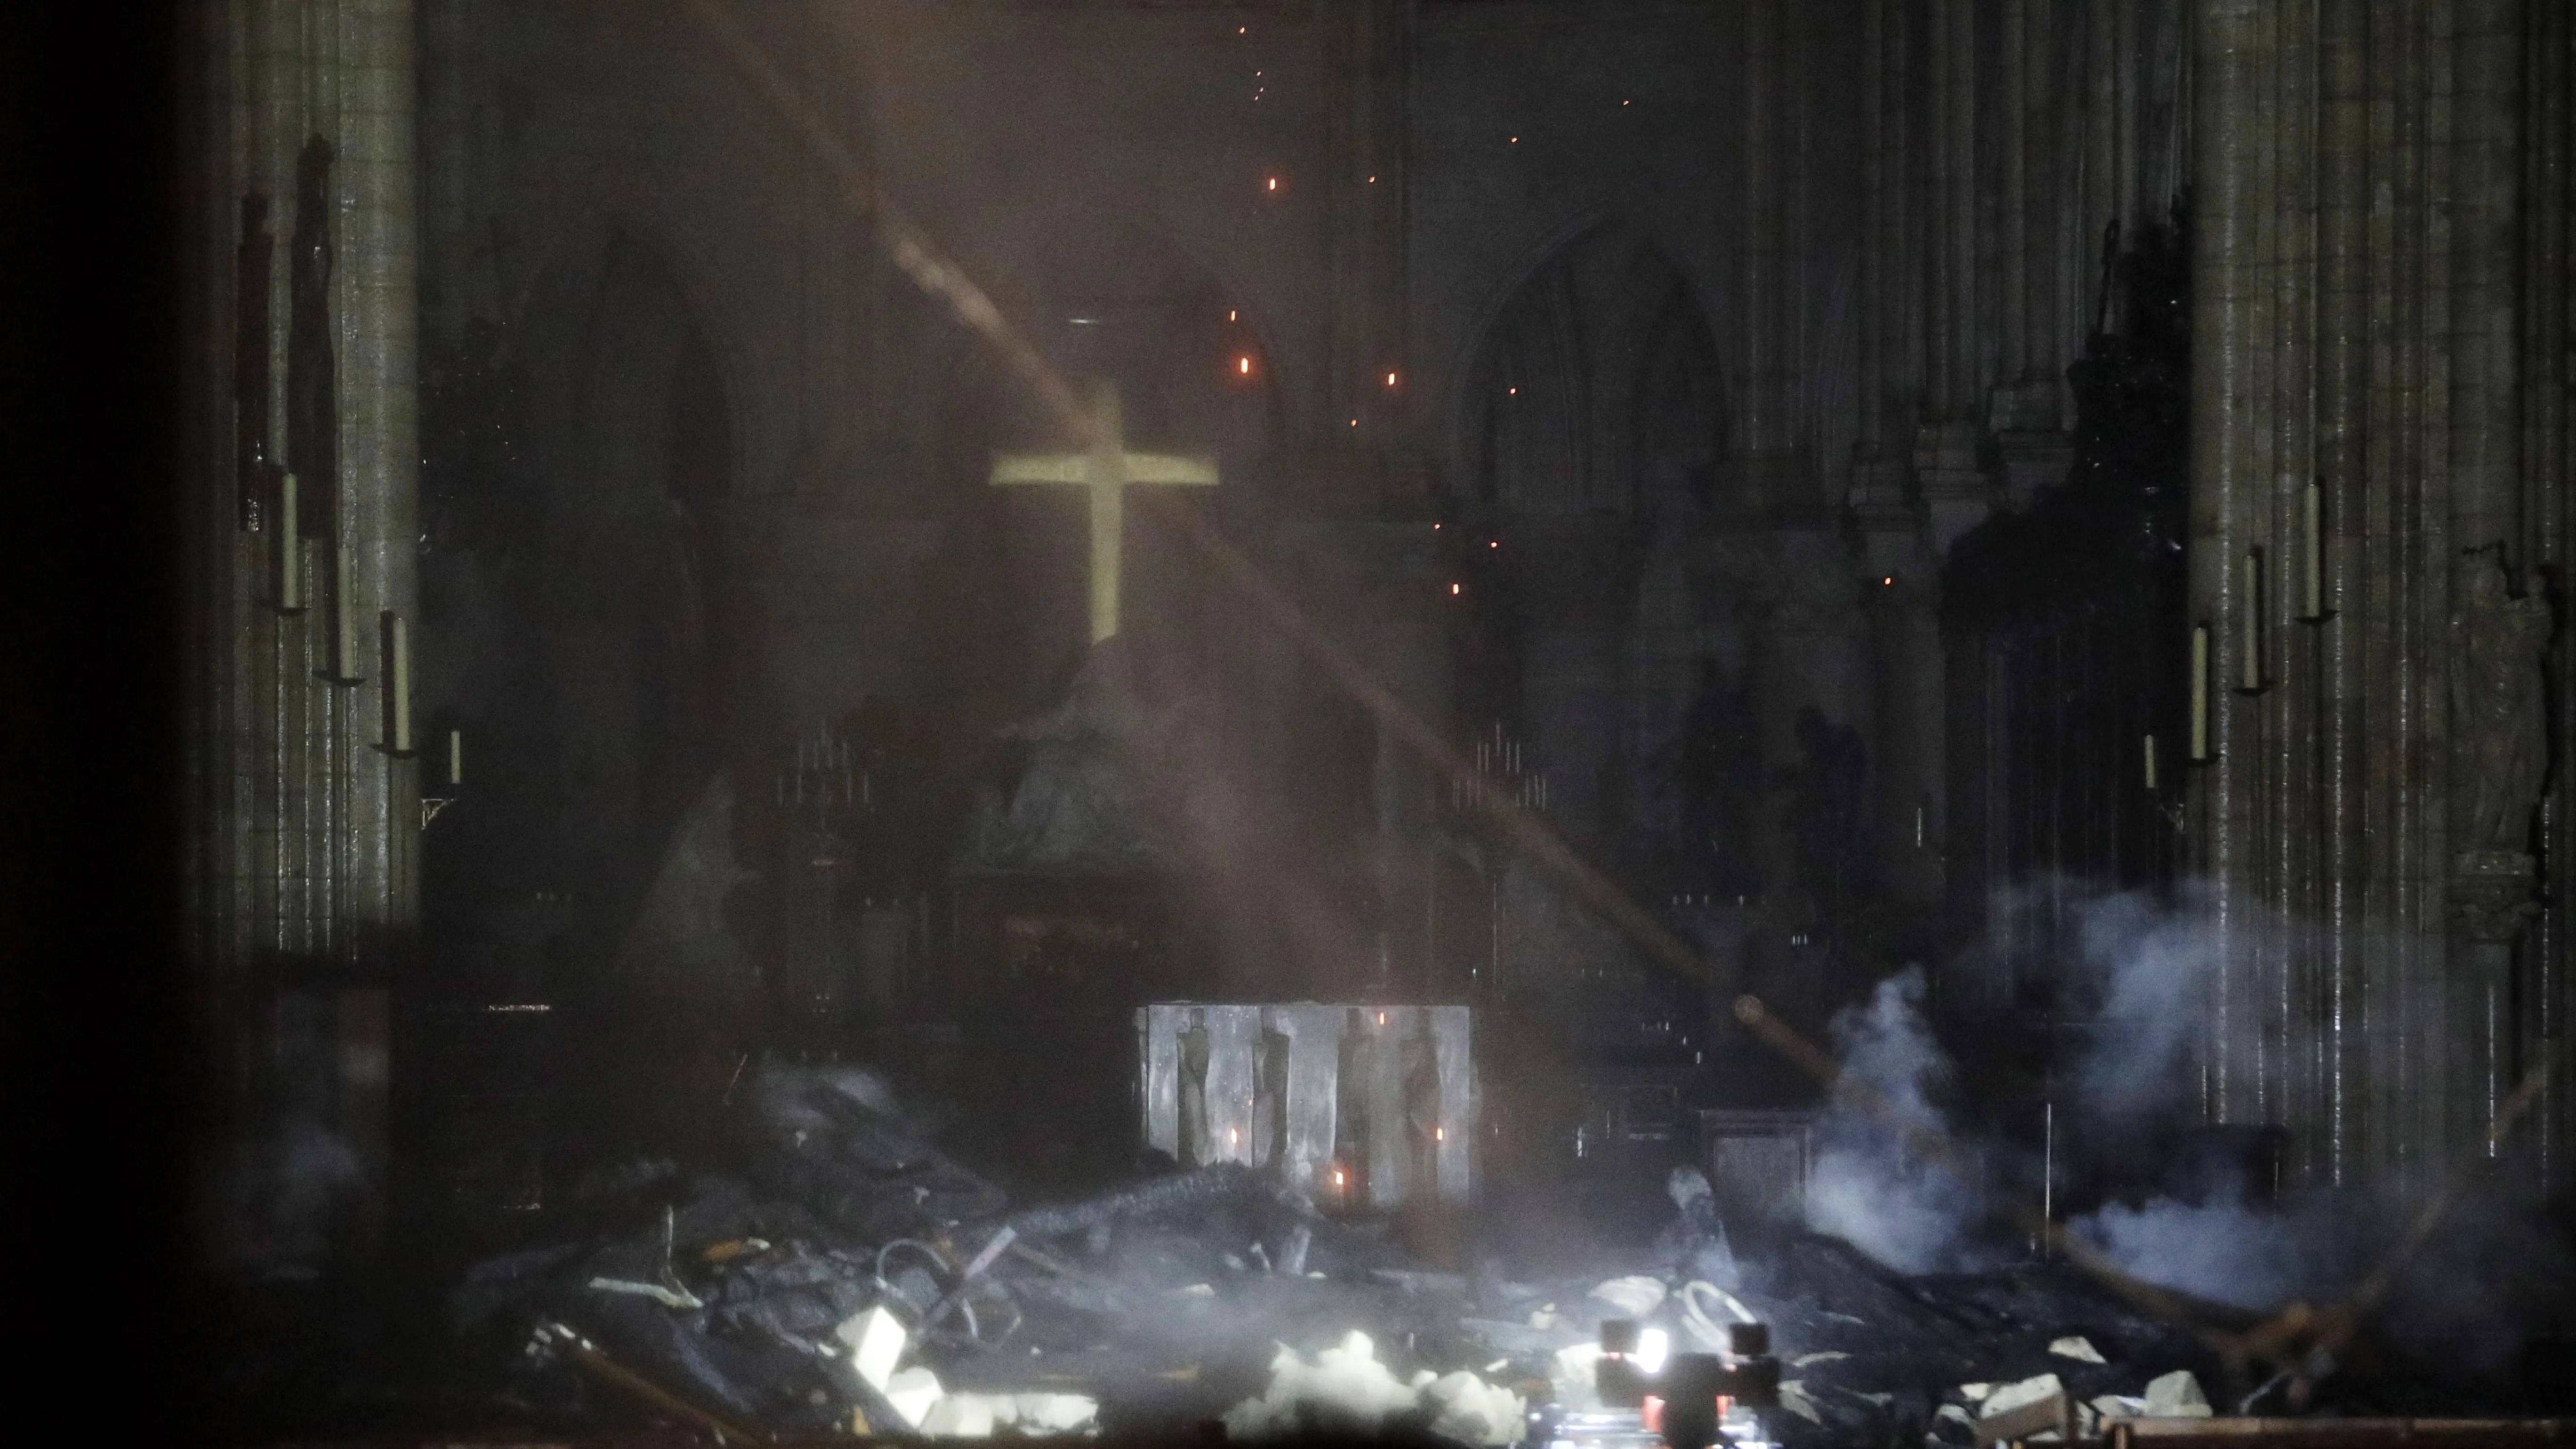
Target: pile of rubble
850,1277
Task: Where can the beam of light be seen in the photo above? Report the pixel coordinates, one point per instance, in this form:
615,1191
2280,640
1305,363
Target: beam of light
912,250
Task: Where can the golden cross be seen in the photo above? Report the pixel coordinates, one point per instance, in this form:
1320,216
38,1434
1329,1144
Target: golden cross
1107,469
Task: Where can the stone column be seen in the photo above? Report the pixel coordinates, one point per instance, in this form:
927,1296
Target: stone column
2548,374
2343,198
1767,426
2364,294
304,830
1891,367
2494,887
1954,485
1901,599
2228,418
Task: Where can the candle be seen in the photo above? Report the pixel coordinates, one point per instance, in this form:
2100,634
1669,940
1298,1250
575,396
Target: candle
397,683
290,549
2249,673
2199,693
2312,522
456,757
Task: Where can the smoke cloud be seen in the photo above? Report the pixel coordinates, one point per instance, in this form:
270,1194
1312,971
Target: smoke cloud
2142,967
1867,1188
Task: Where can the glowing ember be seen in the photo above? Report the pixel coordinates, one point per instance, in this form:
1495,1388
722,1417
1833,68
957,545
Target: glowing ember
1229,316
1274,183
1390,379
1453,588
1243,365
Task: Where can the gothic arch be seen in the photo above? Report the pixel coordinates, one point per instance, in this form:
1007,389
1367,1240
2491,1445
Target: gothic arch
640,666
1596,385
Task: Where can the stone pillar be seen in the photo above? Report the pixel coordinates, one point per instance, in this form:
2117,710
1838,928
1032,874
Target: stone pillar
2234,555
2365,290
1891,364
2343,205
1771,468
2548,373
2494,888
1955,488
304,830
1901,599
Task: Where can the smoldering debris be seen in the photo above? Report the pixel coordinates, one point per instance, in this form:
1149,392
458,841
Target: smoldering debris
843,1273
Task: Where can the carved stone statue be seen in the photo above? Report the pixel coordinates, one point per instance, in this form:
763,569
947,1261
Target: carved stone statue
2498,705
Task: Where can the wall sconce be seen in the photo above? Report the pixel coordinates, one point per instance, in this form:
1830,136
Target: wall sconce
2249,617
395,644
290,548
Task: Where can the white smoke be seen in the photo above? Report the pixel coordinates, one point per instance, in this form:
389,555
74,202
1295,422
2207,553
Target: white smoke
2222,1250
1867,1186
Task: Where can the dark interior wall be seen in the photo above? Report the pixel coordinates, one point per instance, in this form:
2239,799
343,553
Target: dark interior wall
1112,164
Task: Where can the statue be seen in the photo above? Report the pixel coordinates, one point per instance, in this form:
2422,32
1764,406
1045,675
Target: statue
2498,705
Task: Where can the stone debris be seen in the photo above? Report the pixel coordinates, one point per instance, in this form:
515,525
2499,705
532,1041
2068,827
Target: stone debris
2175,1395
2013,1396
844,1271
